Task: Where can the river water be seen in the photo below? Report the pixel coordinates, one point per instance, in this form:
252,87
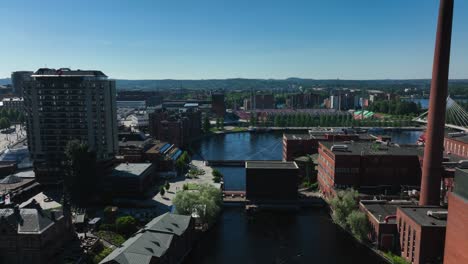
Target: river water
307,236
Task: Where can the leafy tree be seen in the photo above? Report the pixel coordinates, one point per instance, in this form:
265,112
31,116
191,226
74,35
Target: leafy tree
206,124
162,191
253,119
207,201
126,225
180,165
221,123
342,204
167,185
358,224
80,172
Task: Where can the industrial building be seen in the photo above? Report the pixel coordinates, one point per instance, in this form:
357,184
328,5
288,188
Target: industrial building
175,127
383,225
296,145
369,167
456,144
63,105
422,233
456,241
271,181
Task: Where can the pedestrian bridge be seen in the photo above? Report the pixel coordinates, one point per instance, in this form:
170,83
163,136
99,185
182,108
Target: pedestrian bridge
455,116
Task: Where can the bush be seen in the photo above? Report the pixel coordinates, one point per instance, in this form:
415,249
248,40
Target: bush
107,227
126,225
395,259
185,187
358,224
112,237
217,173
207,201
99,257
162,191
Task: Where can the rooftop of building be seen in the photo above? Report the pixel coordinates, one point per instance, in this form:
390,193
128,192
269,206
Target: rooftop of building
13,183
66,72
324,135
461,182
271,164
130,169
47,202
30,220
12,99
152,241
459,136
419,214
372,148
381,209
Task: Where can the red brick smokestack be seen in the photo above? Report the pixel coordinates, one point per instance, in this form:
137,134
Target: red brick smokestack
433,153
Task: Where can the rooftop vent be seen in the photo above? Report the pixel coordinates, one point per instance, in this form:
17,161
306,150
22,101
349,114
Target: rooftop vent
339,148
441,215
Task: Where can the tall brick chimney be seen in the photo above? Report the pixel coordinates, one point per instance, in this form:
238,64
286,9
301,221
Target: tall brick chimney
433,152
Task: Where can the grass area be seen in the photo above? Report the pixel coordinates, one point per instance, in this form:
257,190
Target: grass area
112,237
238,129
395,259
191,186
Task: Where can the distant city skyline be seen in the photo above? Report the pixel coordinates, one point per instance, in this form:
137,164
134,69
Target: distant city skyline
362,39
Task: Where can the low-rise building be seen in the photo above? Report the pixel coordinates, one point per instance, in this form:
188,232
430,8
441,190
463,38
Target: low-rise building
296,145
456,238
383,226
33,235
369,167
175,127
166,239
13,103
19,189
456,144
271,181
422,233
131,179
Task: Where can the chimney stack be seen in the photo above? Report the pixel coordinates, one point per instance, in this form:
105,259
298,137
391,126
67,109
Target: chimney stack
433,152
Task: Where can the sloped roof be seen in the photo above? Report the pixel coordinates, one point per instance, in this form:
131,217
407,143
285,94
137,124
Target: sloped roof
11,179
152,241
30,220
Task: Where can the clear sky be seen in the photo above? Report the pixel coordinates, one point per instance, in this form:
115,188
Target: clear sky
202,39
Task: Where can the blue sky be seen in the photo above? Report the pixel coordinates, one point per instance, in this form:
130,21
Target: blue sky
202,39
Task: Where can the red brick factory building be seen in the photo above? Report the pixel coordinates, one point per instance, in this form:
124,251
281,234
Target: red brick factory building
369,167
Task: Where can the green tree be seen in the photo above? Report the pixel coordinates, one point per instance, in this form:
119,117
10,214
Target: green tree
342,204
206,201
358,224
253,119
206,124
162,191
167,185
80,172
221,123
126,225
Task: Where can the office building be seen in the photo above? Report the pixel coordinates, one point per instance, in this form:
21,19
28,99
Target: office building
218,105
456,239
13,103
18,80
64,105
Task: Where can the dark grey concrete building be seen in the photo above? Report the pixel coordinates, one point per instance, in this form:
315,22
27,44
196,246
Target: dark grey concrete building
18,79
63,105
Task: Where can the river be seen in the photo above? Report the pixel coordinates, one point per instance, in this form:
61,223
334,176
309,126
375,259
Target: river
308,236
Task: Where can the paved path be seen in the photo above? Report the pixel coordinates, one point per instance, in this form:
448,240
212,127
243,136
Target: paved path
178,183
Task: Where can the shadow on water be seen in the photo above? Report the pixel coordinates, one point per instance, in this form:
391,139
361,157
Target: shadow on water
308,236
